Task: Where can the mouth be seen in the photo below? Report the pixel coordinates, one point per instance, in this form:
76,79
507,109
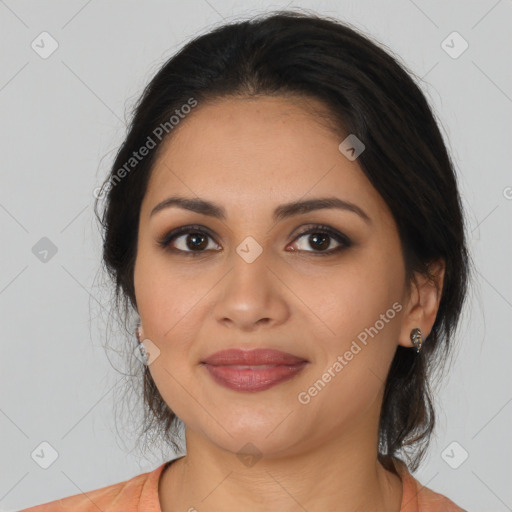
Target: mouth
252,370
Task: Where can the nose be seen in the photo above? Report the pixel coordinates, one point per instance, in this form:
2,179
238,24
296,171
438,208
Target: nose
251,295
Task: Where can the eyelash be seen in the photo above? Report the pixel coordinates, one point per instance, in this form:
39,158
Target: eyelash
320,228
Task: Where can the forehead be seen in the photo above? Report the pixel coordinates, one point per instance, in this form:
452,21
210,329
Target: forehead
259,152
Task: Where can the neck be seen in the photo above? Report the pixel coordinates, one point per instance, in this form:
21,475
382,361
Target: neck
342,475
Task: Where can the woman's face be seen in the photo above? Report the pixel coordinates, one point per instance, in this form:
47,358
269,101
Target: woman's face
248,280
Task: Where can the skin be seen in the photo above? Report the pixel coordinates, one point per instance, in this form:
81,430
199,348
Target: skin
251,155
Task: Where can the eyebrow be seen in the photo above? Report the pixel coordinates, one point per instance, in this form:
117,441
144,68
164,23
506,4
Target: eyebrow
282,212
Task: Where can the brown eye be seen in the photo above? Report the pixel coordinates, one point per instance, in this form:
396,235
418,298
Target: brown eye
321,238
190,241
196,241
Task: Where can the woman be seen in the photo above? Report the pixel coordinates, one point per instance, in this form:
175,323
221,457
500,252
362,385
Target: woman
284,219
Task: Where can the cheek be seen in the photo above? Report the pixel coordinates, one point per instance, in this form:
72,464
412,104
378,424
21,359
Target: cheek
163,297
176,389
361,307
355,297
349,396
169,305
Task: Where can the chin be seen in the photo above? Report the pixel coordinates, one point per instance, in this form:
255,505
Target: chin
259,437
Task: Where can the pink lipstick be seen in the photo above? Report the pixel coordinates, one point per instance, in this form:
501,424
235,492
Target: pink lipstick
252,370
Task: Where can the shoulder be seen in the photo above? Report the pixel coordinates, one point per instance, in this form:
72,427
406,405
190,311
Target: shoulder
418,498
139,492
430,501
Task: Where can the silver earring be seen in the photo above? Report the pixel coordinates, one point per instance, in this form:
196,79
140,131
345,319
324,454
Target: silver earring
416,338
137,333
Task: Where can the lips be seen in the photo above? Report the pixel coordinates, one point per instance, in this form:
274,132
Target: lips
259,356
252,370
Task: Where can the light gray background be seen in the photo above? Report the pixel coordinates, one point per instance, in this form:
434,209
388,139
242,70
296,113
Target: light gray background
62,119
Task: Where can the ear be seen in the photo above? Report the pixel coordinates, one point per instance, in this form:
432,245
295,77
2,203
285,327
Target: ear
423,303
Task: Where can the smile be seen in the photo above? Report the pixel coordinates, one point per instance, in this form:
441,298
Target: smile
253,377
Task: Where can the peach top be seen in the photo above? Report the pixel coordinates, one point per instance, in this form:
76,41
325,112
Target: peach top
140,494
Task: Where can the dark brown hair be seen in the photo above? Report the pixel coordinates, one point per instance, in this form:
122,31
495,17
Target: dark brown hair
367,93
